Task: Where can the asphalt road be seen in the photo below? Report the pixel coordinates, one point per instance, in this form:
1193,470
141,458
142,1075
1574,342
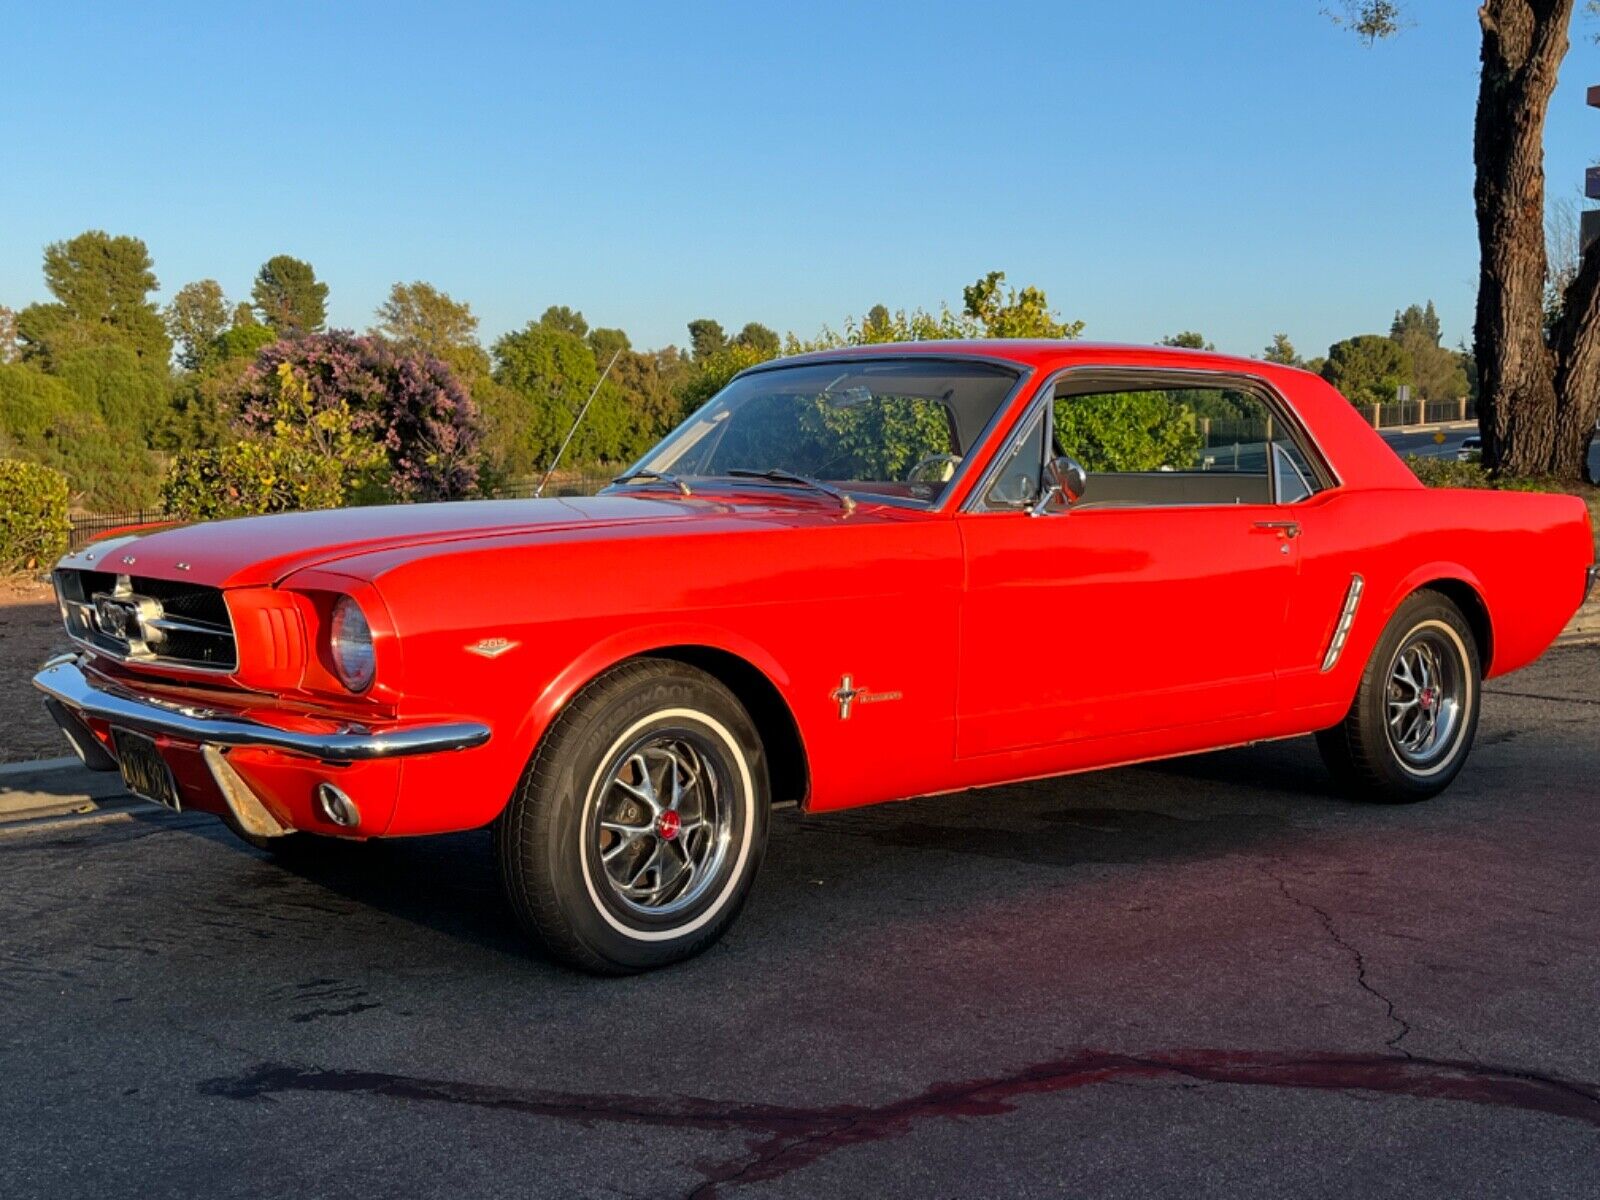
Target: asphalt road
1423,444
1204,977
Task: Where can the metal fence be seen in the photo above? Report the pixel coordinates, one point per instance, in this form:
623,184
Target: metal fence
89,527
1421,412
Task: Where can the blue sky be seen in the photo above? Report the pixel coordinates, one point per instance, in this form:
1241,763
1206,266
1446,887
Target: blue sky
1233,168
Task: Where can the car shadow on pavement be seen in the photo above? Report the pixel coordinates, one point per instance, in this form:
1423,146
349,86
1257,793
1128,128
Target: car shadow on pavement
1245,804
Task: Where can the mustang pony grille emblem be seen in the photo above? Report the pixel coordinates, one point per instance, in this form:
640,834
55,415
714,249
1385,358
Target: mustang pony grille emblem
847,695
491,647
125,617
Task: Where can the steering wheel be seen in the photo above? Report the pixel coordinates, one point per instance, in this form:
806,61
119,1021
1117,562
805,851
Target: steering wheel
934,468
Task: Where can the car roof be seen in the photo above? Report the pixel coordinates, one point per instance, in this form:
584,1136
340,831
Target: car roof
1046,353
1342,433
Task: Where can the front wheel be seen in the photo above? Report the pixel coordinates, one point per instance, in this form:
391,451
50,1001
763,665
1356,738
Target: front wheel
1416,711
636,832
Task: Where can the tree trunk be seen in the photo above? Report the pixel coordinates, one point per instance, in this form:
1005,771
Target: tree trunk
1524,42
1577,347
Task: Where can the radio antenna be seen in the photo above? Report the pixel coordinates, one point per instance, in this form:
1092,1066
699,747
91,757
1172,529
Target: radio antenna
554,462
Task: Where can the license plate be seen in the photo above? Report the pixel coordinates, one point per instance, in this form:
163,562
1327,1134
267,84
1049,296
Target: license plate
144,773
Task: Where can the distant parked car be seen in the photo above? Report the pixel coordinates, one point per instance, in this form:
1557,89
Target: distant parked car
1470,450
849,577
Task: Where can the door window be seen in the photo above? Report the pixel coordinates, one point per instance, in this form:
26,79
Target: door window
1159,447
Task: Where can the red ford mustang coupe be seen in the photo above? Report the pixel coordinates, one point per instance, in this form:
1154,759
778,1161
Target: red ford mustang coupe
850,577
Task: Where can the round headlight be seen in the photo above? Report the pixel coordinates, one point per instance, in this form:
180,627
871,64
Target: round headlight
350,639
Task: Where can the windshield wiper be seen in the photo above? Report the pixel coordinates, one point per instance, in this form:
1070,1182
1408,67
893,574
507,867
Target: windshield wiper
779,475
654,477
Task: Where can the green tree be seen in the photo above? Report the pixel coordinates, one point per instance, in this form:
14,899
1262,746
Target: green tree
759,338
706,338
650,384
876,326
551,371
1538,363
42,420
1281,351
606,342
1008,313
1436,373
419,317
1187,340
712,371
288,296
567,320
241,342
112,382
102,287
1367,368
196,317
10,347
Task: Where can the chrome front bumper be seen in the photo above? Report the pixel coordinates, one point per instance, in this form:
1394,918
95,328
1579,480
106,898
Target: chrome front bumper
64,681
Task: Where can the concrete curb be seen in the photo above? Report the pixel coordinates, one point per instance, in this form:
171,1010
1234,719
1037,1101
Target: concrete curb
1584,626
56,792
35,766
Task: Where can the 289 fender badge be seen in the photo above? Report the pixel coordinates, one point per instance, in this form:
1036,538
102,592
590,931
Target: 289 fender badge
491,647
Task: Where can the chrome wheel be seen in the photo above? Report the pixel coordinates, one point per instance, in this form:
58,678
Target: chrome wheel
1426,697
662,824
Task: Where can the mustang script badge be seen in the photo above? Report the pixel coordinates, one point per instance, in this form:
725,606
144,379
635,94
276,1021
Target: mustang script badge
848,695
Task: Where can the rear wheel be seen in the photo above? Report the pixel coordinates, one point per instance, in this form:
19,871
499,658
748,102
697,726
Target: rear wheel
1415,714
636,832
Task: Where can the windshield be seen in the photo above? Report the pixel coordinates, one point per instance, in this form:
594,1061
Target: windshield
896,430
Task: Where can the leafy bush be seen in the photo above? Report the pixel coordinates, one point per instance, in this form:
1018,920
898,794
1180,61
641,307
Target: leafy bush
250,477
408,405
1129,431
33,515
1449,473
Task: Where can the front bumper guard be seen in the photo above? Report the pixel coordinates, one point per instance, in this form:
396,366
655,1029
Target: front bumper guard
64,681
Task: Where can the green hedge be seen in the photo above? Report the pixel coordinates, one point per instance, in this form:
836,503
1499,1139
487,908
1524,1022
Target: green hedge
33,515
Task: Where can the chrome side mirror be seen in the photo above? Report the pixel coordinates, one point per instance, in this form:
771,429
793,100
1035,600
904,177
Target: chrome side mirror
1064,479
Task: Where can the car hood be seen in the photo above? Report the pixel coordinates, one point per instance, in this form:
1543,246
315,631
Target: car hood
253,551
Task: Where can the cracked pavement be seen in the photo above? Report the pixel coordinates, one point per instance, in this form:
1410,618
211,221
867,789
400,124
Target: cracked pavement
1209,976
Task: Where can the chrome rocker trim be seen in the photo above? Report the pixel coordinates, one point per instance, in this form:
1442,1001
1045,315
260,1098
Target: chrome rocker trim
63,680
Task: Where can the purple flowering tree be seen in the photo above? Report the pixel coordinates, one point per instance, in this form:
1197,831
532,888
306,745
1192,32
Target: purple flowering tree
408,403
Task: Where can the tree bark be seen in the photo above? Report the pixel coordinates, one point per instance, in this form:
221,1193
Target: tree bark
1577,348
1524,42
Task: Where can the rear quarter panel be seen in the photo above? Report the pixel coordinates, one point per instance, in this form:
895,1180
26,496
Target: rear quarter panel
1523,556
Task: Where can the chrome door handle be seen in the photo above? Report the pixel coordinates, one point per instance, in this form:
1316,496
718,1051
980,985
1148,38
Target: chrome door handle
1288,529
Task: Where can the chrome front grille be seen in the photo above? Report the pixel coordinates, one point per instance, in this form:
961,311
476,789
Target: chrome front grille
143,620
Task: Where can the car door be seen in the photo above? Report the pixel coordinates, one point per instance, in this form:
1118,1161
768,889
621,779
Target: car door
1152,600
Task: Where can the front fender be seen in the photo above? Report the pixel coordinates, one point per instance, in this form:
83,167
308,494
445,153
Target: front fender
631,643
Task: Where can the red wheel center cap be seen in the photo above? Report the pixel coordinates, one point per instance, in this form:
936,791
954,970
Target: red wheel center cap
667,826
